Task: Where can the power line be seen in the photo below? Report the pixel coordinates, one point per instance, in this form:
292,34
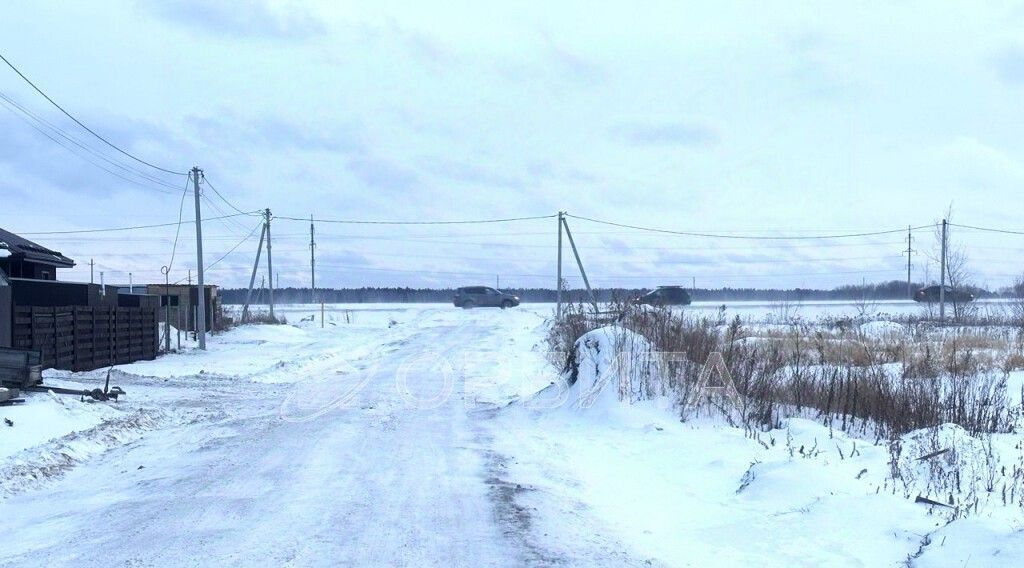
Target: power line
114,229
177,230
78,122
466,222
19,108
73,151
222,198
987,229
744,237
231,224
233,249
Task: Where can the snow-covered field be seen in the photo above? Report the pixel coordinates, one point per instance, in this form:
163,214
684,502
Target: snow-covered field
408,435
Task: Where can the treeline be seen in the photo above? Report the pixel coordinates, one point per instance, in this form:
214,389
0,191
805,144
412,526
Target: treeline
893,290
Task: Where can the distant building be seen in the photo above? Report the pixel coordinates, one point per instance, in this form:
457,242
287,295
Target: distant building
181,301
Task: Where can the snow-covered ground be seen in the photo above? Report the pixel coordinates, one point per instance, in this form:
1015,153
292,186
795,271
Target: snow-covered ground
407,435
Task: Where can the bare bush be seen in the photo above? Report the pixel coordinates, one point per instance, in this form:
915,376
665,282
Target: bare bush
264,318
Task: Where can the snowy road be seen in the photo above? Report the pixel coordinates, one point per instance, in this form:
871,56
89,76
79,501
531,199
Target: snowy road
400,475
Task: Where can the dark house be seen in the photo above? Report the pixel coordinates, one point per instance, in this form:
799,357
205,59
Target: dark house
22,258
75,326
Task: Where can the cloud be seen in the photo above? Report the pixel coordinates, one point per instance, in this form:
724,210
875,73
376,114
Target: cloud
1010,65
665,134
423,45
570,63
470,173
382,174
255,19
277,133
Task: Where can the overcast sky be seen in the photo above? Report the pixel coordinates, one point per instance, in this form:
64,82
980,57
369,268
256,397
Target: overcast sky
738,118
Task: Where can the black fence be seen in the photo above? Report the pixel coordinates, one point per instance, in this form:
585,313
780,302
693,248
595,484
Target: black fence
82,338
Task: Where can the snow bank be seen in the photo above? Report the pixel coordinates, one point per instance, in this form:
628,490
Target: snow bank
612,365
46,416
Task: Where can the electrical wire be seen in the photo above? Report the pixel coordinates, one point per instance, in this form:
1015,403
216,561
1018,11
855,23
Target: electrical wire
78,122
115,229
233,249
466,222
19,108
177,230
986,229
73,151
746,237
222,198
231,224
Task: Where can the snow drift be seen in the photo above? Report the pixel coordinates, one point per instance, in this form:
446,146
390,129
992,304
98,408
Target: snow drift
606,367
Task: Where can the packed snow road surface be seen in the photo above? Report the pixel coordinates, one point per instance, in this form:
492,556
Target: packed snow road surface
359,447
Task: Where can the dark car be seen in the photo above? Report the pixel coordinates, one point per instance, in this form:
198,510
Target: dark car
665,296
483,297
930,294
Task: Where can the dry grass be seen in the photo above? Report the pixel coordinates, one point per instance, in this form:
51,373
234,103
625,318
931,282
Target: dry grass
877,385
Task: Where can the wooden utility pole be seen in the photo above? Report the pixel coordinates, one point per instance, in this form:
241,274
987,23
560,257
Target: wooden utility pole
201,295
558,294
942,278
270,260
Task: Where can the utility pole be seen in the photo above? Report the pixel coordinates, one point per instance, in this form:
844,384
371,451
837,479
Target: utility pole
201,290
188,300
166,270
583,273
270,260
312,262
942,280
558,294
131,286
909,251
252,278
103,286
92,266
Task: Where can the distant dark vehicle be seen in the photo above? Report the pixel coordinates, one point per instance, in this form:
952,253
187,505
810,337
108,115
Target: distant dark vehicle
930,294
483,297
665,296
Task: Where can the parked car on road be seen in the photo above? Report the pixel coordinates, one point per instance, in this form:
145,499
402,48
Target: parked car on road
665,296
483,297
930,294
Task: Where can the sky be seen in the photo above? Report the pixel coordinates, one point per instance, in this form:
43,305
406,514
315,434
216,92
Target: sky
730,118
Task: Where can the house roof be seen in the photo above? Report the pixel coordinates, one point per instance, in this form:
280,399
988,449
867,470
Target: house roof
14,245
